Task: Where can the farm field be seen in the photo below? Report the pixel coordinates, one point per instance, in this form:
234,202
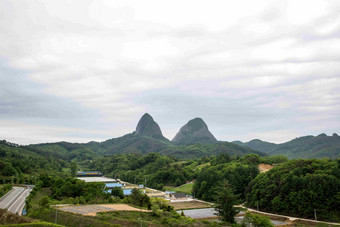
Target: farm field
189,205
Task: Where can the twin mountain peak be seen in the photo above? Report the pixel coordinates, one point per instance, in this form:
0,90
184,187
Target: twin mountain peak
195,131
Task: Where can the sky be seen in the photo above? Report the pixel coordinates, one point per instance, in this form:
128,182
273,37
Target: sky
83,70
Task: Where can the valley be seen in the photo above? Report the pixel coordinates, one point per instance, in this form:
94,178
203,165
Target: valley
146,172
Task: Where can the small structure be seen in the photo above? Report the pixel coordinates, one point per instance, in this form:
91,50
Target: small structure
180,195
89,174
112,185
98,179
169,194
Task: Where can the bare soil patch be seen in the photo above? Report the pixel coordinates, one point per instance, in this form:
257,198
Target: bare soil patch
123,207
92,210
189,205
265,167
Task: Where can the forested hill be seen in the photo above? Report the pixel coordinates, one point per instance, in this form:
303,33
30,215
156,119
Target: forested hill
16,160
147,138
137,144
321,146
258,145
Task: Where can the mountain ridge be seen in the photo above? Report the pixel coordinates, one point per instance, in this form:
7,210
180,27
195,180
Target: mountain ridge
321,146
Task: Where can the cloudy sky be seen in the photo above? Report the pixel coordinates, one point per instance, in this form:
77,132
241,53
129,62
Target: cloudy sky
88,70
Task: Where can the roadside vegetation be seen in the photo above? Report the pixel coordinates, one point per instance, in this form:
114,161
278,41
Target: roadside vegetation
4,189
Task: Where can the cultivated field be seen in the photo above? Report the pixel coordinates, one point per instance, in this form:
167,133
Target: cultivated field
189,205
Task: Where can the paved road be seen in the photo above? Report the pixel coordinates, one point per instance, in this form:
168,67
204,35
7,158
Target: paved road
14,200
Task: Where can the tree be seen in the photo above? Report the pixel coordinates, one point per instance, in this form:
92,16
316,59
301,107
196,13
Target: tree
225,201
43,202
257,220
135,196
118,192
74,168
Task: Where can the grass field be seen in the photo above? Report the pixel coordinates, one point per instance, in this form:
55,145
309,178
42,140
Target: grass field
185,188
189,205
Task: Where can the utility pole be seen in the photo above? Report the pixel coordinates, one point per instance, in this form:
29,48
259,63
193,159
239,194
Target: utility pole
315,215
145,182
141,224
257,203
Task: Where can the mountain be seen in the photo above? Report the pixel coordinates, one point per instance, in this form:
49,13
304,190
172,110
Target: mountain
147,138
148,127
257,144
130,143
195,131
321,146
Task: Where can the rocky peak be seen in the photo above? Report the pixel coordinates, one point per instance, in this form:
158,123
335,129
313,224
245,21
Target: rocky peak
195,131
148,127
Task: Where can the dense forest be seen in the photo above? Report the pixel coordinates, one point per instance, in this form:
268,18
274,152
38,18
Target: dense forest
21,165
321,146
298,187
137,144
154,168
237,172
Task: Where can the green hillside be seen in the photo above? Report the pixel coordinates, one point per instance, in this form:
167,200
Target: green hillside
16,162
298,187
321,146
136,144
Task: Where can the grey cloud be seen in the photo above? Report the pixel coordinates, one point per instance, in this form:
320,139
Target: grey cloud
21,98
226,93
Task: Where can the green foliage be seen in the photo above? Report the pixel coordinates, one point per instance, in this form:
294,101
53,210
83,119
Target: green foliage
17,160
257,220
225,201
73,168
4,189
185,188
298,187
44,202
74,188
275,159
238,173
206,150
139,199
118,192
251,159
321,146
157,170
258,145
137,144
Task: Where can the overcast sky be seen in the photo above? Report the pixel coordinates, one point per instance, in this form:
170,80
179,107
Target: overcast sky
84,70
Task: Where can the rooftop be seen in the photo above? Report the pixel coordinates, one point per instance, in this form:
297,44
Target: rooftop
97,179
